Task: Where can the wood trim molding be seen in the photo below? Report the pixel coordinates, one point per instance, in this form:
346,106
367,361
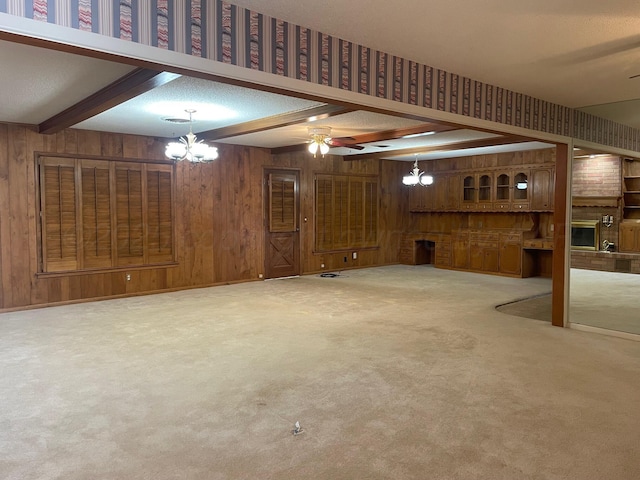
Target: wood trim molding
275,121
135,83
486,142
604,201
382,136
559,261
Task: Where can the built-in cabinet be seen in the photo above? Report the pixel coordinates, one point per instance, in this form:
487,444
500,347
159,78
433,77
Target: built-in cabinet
542,187
631,192
629,233
500,190
499,252
484,251
460,249
487,251
446,193
511,253
630,236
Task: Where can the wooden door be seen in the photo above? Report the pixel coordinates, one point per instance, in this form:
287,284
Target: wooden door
282,223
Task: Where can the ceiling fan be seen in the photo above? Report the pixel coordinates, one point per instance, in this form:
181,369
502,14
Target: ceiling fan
321,140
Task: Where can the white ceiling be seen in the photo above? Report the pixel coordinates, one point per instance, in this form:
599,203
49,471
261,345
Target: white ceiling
576,53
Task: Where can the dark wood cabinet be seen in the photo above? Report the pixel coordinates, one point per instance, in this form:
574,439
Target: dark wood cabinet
483,251
503,190
631,197
542,187
460,249
446,193
421,198
521,190
511,253
630,236
443,252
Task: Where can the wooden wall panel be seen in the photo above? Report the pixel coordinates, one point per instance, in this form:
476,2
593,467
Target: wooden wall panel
218,214
393,208
19,189
6,297
218,219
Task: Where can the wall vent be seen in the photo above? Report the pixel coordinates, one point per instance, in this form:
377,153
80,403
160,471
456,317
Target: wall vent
623,266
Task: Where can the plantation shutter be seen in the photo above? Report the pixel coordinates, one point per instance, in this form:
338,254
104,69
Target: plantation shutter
370,213
341,212
129,214
159,219
59,214
346,212
282,211
96,214
324,211
356,212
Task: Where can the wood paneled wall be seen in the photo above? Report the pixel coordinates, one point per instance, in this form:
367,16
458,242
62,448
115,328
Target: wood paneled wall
393,207
445,222
218,216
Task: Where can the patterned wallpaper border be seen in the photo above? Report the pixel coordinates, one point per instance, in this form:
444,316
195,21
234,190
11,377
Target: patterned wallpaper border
230,34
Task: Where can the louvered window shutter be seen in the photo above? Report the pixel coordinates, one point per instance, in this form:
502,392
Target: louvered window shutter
59,214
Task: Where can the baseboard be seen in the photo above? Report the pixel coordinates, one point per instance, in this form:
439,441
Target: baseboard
603,331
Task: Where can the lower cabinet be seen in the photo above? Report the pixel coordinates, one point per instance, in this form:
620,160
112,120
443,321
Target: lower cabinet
474,250
443,252
483,252
629,237
511,253
460,249
487,251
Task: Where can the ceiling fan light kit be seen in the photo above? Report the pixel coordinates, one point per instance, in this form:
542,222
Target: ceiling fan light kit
190,148
416,177
319,138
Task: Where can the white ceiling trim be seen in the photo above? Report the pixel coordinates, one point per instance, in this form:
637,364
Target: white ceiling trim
146,53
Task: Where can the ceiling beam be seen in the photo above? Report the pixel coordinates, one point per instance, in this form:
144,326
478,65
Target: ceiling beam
135,83
485,142
275,121
396,133
374,137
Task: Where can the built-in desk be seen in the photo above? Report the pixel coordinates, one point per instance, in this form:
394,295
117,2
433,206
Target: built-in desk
426,248
538,244
503,252
537,257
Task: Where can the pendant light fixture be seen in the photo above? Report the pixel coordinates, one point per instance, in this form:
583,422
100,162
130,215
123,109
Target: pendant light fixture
190,148
416,177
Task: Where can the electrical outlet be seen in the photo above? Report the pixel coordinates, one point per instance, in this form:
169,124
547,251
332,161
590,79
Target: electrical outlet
345,259
354,255
128,277
322,265
260,275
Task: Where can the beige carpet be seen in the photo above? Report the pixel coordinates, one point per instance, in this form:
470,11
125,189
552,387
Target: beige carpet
606,300
537,307
393,373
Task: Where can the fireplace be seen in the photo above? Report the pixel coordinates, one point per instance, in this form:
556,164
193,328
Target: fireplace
585,234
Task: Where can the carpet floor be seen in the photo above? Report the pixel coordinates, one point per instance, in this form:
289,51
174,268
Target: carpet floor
395,372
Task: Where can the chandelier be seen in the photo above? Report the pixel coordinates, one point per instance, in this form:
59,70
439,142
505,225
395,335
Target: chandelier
416,177
189,148
319,138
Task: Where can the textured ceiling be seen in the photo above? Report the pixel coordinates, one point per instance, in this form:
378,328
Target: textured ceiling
576,53
42,83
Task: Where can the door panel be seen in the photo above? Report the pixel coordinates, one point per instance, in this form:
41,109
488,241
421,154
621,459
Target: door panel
282,223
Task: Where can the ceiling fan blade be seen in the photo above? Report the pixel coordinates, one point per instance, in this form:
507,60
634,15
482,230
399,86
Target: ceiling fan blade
345,142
